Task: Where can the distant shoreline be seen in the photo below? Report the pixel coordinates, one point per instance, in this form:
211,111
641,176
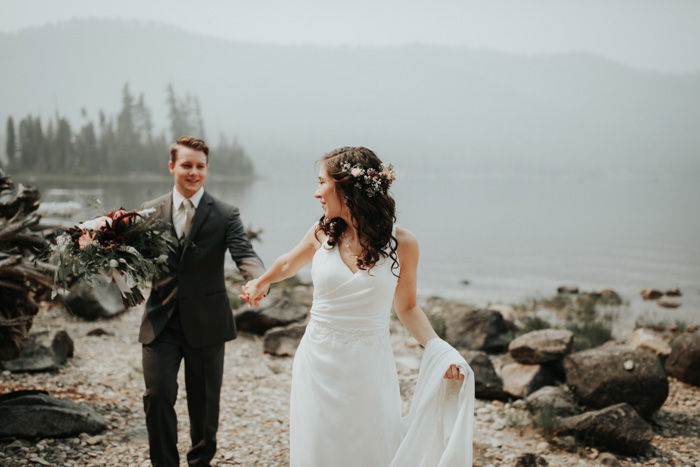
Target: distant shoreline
145,177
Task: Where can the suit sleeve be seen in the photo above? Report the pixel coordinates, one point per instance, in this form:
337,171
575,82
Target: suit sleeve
240,248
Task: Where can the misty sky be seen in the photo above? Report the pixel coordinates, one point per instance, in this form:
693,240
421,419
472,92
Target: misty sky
656,34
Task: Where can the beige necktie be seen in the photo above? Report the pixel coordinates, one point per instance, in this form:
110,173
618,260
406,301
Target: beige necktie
189,214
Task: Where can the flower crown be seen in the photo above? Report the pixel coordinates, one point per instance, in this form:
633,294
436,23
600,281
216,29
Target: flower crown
372,180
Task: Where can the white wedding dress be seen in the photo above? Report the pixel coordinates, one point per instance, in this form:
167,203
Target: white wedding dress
345,400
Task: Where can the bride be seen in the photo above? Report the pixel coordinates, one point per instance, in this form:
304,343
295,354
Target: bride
345,407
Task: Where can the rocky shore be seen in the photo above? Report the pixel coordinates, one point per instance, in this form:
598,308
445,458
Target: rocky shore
104,373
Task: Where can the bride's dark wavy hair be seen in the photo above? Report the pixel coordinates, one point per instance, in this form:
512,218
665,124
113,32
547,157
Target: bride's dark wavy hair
373,215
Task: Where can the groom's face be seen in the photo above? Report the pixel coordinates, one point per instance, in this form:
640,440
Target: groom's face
189,170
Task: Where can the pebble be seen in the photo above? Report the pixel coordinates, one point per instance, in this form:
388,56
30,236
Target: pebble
542,447
94,440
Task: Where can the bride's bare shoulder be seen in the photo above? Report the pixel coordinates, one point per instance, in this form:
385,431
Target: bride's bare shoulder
314,237
406,239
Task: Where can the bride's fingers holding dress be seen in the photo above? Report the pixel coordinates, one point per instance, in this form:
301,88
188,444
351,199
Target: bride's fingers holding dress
453,373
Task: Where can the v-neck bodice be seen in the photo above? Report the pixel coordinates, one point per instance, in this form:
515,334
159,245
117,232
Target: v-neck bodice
359,301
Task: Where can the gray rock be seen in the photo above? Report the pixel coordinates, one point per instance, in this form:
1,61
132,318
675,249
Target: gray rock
477,330
543,345
283,341
647,339
530,460
618,428
91,303
669,303
684,361
560,400
599,379
488,385
521,380
42,351
258,320
651,294
36,414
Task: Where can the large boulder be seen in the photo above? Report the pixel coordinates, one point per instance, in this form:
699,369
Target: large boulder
258,320
608,375
477,330
488,385
618,428
520,380
36,414
560,400
543,345
684,361
43,351
103,301
283,341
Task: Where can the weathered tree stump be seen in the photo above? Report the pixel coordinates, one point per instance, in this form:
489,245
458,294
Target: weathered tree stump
24,280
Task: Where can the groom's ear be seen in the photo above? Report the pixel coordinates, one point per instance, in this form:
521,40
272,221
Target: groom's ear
171,167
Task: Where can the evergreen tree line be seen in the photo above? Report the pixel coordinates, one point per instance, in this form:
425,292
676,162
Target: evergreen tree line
121,143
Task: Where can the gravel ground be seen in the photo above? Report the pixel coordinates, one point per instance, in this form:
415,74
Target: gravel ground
105,373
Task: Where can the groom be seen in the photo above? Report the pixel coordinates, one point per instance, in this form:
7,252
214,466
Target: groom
188,315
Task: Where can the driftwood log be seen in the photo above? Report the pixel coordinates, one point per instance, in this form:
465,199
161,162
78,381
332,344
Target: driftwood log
24,280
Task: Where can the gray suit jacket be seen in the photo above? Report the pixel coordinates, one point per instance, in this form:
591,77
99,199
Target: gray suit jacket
196,283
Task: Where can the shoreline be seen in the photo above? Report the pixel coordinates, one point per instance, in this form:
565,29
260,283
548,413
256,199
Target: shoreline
134,177
105,374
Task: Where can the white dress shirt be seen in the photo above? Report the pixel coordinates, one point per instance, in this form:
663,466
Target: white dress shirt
179,211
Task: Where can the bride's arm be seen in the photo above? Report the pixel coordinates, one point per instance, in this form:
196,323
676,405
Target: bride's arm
284,267
409,313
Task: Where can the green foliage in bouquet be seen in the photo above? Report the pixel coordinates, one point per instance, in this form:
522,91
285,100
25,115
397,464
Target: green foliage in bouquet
125,247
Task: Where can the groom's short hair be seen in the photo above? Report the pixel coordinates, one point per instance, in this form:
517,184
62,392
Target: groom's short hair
189,142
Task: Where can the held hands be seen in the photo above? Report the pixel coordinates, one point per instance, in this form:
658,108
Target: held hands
253,291
453,373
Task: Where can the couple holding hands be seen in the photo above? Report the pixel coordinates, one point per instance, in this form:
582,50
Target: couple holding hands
345,404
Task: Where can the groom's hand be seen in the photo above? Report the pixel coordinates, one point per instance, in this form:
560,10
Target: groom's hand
253,292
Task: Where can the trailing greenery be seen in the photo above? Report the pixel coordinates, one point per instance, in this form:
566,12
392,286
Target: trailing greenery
532,323
588,315
117,144
589,334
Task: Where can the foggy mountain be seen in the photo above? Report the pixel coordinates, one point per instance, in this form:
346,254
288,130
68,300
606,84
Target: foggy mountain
418,106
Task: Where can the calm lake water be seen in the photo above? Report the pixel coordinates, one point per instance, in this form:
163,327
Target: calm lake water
511,236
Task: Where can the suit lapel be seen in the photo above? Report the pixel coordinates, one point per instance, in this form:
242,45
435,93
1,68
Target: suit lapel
166,212
200,215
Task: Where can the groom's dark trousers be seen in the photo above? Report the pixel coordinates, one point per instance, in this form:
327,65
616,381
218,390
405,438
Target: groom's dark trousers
188,316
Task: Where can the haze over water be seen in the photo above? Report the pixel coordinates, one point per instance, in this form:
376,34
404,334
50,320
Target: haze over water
512,237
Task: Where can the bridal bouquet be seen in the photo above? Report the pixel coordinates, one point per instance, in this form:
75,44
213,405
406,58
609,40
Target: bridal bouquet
128,248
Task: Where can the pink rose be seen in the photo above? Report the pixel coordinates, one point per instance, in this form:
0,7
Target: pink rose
388,174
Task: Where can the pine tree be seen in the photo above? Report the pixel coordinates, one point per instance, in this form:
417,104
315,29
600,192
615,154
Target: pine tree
10,143
62,151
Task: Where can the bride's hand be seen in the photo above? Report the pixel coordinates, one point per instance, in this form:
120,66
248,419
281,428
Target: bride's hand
253,291
453,373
